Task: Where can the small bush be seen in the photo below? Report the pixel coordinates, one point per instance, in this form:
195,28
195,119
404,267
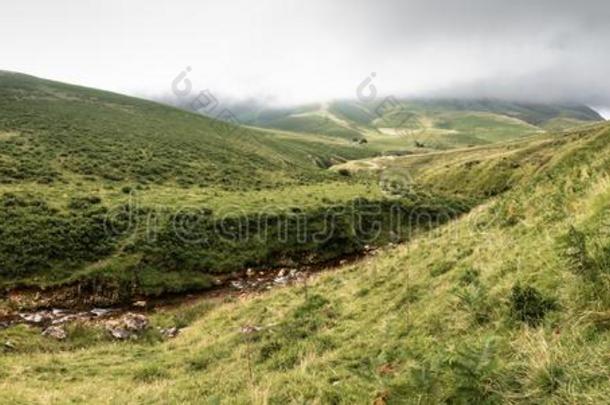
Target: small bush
475,300
529,305
475,370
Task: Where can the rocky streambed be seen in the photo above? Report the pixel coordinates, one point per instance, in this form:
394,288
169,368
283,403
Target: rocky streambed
119,323
129,321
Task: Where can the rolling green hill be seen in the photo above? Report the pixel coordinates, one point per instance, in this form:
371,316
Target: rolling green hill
130,197
429,123
54,132
506,304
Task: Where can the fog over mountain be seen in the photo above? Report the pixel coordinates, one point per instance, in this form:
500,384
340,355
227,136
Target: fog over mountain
288,52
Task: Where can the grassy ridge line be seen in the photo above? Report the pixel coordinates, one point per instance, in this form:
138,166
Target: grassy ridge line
63,133
483,171
406,125
435,320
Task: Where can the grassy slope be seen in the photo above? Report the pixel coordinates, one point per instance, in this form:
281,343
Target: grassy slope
432,320
53,131
69,155
124,196
438,124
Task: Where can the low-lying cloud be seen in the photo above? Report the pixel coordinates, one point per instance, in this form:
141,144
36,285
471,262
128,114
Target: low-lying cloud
291,51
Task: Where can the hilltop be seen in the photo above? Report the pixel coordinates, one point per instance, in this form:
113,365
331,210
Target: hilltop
53,131
414,124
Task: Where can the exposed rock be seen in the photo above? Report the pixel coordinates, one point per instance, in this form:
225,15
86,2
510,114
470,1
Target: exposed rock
250,273
281,273
281,280
127,326
135,322
170,332
68,318
139,304
100,311
9,345
56,332
37,317
119,333
249,329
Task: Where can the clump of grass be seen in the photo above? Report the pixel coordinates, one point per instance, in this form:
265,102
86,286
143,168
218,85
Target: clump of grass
548,379
151,373
574,249
469,276
529,305
475,300
440,268
476,371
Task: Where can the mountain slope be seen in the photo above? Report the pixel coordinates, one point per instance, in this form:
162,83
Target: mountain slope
508,304
83,172
432,123
53,131
126,198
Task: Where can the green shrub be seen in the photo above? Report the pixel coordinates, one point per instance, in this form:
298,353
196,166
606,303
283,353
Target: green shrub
529,305
475,371
474,299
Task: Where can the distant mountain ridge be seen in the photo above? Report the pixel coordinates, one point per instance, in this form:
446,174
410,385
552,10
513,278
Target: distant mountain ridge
407,123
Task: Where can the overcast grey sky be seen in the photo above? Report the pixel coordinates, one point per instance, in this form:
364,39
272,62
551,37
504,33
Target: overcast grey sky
291,51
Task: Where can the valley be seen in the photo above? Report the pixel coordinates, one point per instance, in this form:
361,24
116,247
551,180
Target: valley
459,255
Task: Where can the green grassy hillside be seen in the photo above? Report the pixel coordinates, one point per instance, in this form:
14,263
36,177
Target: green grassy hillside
129,197
82,170
507,304
54,132
406,125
